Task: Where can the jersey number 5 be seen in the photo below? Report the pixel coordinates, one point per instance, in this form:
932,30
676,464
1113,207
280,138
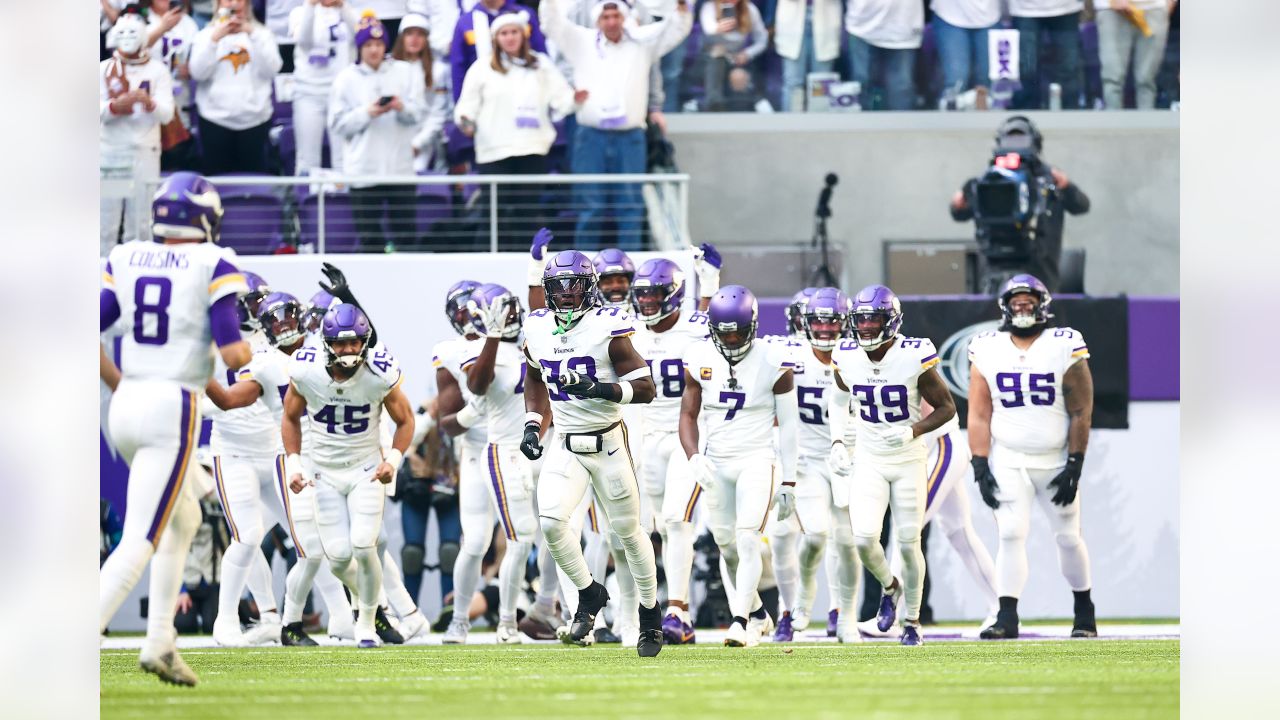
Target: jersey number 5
1040,385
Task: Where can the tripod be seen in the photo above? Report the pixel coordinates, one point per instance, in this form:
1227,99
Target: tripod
822,275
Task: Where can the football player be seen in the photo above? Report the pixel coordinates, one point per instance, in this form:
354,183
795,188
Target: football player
176,296
343,392
493,370
583,369
614,273
887,374
740,390
825,315
1030,409
263,384
662,339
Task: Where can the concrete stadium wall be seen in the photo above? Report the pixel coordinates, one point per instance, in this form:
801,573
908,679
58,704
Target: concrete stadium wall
755,180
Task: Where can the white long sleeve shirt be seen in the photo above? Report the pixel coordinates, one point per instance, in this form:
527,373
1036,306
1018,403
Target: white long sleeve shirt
234,76
141,129
325,44
788,33
616,75
513,111
439,107
888,24
733,41
381,145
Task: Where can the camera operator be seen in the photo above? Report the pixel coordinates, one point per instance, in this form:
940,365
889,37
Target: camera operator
1017,207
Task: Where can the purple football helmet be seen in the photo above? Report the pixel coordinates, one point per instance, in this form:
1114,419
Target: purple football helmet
1017,285
876,304
795,313
315,310
455,305
733,315
826,318
569,282
614,274
247,305
186,207
657,290
503,307
281,317
345,322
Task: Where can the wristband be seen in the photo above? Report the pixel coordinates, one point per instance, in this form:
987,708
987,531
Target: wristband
208,407
468,416
533,417
393,458
293,466
536,268
707,288
628,392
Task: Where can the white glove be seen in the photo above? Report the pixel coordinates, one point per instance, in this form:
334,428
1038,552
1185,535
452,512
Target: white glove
838,459
785,500
708,269
473,412
704,471
566,377
492,317
899,437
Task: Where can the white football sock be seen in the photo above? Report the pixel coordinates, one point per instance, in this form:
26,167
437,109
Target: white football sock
167,564
677,555
119,574
236,564
511,577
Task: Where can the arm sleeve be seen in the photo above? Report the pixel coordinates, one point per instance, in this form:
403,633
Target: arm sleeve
162,93
104,98
788,413
559,94
267,51
967,212
838,413
928,356
203,58
223,321
458,60
108,308
437,113
468,104
1074,200
226,281
759,36
302,25
415,102
677,27
570,37
1075,348
344,118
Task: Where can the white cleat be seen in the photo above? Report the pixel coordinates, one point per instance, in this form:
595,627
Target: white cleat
739,636
367,637
509,634
227,633
847,629
799,620
168,666
630,634
264,632
413,625
868,628
342,630
759,628
456,633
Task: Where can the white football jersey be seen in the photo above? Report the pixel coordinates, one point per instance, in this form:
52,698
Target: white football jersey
451,355
737,411
584,348
885,394
253,430
814,380
665,354
164,293
504,417
346,416
1028,413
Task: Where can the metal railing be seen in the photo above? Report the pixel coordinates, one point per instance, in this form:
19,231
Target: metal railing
443,213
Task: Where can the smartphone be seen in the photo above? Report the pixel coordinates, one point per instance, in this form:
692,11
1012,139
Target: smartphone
385,100
728,12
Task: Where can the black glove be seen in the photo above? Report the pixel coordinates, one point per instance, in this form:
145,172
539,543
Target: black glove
1068,481
987,485
337,286
529,445
580,385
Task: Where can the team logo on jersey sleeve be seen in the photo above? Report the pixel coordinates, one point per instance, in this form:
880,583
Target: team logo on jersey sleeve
954,356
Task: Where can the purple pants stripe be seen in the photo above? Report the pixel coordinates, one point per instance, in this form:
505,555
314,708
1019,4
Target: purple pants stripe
222,497
500,490
288,508
939,469
186,444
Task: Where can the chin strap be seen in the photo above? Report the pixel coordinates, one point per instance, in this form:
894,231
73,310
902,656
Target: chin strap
562,329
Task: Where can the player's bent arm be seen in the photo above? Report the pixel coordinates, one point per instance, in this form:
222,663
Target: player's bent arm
449,402
241,394
1077,395
224,325
787,411
979,414
935,392
107,369
627,363
401,412
690,406
480,374
536,398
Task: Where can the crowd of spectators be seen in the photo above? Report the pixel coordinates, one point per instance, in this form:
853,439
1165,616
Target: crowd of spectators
387,87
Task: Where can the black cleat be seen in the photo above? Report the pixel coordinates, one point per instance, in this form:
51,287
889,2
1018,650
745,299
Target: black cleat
293,634
1085,625
591,600
607,636
1004,628
650,643
386,632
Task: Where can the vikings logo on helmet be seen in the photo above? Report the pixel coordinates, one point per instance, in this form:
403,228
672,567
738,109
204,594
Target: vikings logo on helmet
345,322
657,291
872,303
455,305
186,207
733,315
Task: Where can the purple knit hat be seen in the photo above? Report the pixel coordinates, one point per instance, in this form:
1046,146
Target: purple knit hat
369,28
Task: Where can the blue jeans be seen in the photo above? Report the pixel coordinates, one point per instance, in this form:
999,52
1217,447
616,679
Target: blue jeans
795,71
672,69
897,66
597,151
963,54
414,524
1063,33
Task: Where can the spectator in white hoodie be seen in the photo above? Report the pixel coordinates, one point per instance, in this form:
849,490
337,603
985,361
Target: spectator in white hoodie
375,108
234,61
508,105
324,34
135,97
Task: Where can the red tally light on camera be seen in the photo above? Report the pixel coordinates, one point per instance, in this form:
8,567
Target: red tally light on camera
1012,161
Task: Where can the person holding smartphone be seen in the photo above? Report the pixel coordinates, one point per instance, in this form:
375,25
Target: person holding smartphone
735,36
234,61
375,108
135,97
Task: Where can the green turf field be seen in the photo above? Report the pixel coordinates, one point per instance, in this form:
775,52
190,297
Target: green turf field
1079,679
